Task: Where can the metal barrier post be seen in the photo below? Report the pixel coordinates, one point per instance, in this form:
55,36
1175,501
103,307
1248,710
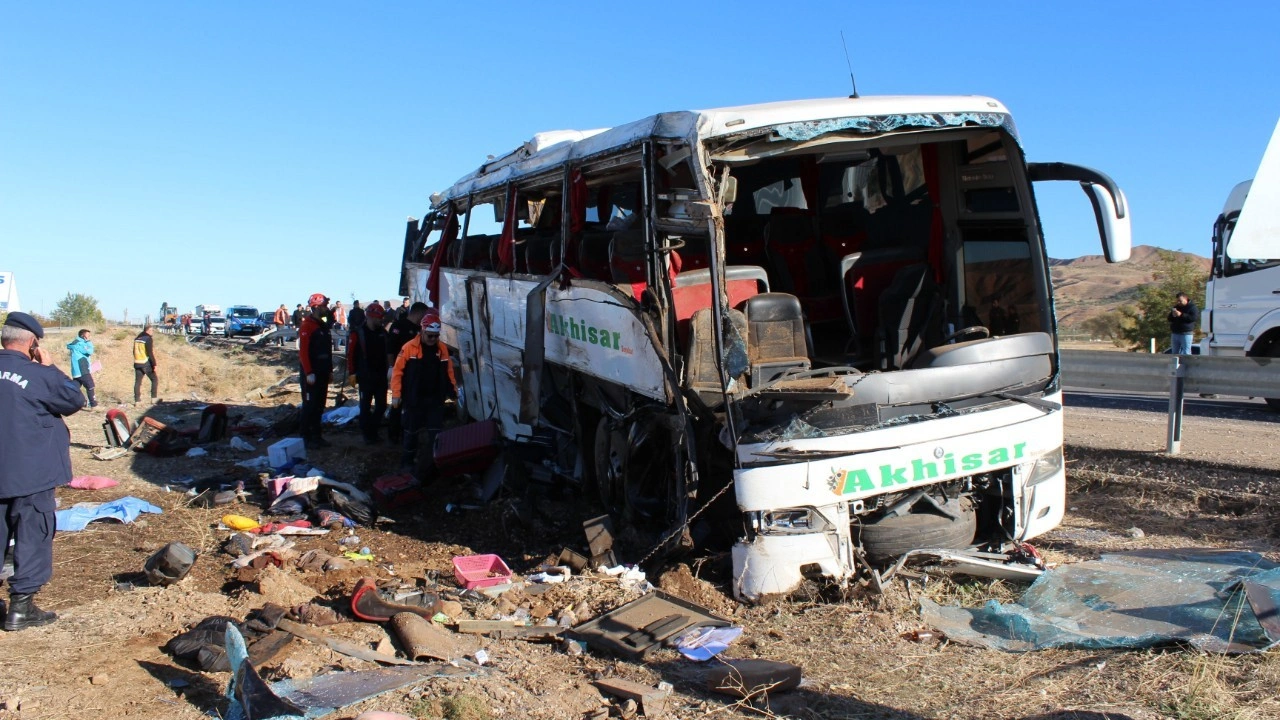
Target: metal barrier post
1177,388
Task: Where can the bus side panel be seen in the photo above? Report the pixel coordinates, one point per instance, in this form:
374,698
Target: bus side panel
507,300
483,360
506,363
598,334
467,375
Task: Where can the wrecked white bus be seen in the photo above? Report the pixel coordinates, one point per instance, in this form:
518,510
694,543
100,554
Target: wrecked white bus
824,328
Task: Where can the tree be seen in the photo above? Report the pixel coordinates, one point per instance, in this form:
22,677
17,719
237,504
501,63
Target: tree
77,309
1149,318
1107,326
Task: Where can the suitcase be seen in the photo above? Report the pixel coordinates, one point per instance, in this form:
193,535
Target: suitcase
395,491
467,448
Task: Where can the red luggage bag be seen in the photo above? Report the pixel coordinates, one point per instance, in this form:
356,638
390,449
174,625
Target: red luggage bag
467,449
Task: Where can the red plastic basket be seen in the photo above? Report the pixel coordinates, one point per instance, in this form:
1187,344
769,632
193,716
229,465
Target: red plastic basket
477,571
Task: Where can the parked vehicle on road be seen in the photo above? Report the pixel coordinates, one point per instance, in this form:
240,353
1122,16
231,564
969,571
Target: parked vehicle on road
243,320
822,328
1241,314
217,323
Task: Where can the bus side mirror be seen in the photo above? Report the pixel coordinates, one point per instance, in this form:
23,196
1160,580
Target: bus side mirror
1116,232
1110,207
729,193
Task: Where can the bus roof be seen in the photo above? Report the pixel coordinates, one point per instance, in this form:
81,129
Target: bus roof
800,119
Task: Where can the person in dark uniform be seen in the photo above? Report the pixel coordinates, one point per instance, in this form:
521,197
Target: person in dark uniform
367,368
421,381
297,316
36,449
401,331
315,355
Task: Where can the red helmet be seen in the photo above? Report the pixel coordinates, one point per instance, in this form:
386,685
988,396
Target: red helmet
375,312
316,300
431,323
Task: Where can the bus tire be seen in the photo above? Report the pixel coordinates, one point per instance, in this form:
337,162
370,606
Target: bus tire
891,537
1273,352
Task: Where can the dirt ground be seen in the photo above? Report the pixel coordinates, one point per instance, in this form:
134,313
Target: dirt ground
104,657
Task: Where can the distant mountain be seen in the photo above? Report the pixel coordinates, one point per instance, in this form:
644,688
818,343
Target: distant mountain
1088,285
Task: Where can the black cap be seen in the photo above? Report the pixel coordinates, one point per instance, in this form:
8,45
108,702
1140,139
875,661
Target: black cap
26,322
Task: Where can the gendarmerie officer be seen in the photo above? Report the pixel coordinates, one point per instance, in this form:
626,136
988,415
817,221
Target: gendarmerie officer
36,449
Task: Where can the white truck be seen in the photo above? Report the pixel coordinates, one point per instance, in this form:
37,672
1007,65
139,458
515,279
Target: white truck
1241,316
819,333
217,323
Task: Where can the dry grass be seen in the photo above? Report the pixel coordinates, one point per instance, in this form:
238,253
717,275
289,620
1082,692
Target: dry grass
185,371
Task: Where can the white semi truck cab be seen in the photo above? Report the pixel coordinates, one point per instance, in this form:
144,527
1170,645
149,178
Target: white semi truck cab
1242,298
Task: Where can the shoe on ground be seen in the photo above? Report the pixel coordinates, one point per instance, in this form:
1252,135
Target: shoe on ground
23,613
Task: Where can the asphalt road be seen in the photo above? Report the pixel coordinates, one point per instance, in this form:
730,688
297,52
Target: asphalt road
1195,406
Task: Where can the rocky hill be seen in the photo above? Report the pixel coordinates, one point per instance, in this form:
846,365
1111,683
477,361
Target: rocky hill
1088,285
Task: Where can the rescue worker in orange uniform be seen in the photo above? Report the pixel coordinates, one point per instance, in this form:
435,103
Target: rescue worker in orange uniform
421,381
315,355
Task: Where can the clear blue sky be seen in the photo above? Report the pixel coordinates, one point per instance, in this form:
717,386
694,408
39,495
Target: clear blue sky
255,152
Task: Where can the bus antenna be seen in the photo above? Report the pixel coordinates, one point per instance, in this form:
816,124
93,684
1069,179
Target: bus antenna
848,62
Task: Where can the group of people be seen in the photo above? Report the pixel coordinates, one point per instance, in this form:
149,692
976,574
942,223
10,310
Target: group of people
144,363
338,317
387,351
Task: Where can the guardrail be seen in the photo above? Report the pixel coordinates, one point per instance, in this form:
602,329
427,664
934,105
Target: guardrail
1178,374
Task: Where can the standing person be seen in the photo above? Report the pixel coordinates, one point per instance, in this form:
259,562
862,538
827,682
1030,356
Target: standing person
386,305
402,331
421,381
356,316
1182,324
315,355
339,316
36,447
297,317
186,324
367,367
404,309
144,362
81,352
281,318
206,323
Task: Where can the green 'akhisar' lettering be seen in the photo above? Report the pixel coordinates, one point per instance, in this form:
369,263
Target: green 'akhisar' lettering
921,470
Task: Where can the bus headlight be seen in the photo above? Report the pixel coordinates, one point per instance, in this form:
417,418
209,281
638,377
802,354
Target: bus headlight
791,521
1045,467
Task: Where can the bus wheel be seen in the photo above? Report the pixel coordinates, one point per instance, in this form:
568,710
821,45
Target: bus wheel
891,537
1274,352
633,466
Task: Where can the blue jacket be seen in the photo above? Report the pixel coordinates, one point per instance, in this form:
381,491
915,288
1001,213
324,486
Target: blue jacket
80,349
34,441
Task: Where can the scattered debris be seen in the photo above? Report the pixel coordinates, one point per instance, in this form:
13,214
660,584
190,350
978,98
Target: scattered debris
599,532
703,643
125,510
374,604
752,678
1132,599
340,646
479,571
1135,532
640,626
169,564
91,482
425,640
651,701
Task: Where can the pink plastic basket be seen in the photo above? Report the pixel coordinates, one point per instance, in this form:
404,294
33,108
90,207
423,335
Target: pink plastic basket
477,571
